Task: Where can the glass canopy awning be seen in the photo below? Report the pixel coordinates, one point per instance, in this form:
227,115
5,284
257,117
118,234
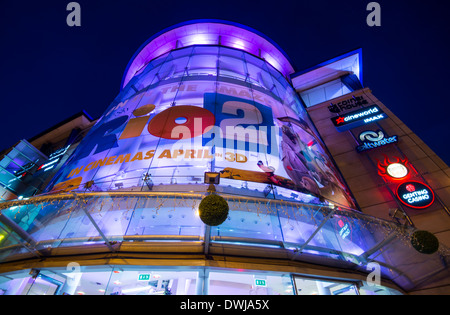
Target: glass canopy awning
44,226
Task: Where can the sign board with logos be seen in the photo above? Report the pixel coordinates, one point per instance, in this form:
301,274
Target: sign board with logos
348,104
412,193
371,140
358,118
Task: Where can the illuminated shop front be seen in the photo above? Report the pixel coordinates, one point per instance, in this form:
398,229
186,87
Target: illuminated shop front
203,97
179,280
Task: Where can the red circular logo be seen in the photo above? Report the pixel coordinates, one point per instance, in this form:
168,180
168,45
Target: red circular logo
415,194
410,188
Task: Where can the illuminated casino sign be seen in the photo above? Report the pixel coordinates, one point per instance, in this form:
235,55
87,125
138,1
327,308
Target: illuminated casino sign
371,140
411,193
358,118
415,194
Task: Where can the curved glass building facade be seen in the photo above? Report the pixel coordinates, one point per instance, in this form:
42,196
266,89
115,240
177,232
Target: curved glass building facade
204,109
204,97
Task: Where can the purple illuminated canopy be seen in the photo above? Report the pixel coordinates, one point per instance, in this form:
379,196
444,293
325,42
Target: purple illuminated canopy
209,32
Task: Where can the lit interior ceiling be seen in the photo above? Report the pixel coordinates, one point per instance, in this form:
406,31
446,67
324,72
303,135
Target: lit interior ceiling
209,32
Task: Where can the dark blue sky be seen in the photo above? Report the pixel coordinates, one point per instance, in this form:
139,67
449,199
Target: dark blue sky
49,71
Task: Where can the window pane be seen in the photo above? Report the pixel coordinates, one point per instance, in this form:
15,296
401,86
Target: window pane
307,286
143,281
245,283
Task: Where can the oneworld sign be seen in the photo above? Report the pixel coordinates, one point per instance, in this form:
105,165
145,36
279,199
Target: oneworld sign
358,118
371,140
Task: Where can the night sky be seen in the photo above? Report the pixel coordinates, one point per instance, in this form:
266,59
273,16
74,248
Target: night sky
50,71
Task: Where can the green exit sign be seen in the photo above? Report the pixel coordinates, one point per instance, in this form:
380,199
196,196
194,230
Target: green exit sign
144,277
260,283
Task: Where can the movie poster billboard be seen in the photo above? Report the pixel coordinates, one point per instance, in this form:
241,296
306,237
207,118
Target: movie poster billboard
173,133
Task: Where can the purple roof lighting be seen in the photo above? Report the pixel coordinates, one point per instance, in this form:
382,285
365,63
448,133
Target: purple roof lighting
209,32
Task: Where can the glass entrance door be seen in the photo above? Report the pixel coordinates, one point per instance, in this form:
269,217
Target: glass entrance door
44,285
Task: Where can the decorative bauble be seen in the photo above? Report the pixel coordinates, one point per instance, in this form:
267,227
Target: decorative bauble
424,242
213,210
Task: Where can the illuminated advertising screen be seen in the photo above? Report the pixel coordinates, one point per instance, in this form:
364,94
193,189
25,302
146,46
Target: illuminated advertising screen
172,130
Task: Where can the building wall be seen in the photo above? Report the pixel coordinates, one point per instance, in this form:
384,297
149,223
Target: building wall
49,151
5,194
361,173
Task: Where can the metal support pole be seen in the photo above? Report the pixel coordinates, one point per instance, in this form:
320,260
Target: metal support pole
96,226
203,282
377,247
206,239
313,234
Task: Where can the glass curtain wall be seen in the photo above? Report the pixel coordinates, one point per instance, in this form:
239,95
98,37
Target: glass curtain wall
206,108
148,280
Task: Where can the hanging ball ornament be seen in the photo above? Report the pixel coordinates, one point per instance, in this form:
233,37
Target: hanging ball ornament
213,210
424,242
